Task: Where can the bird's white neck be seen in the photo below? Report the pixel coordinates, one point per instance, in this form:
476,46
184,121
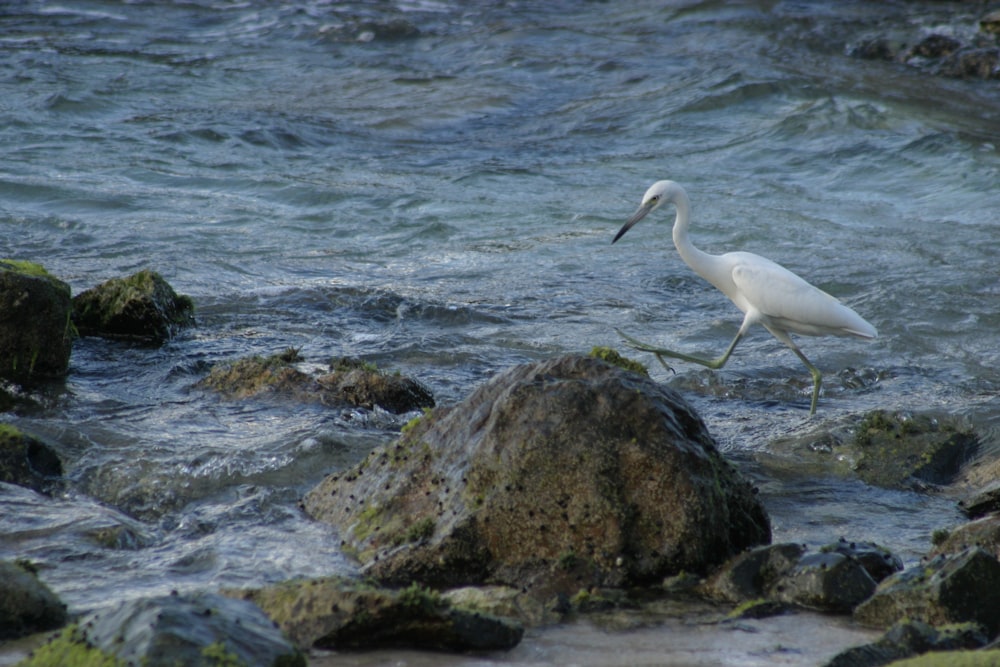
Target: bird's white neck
697,259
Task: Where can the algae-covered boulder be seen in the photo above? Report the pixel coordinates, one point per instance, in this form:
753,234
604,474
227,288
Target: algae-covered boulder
556,476
910,638
956,588
36,332
336,613
27,605
895,449
200,630
27,461
349,381
141,307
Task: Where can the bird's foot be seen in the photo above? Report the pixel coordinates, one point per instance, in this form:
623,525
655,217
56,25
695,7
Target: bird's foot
645,347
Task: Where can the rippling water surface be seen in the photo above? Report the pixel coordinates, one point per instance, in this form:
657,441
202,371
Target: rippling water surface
433,186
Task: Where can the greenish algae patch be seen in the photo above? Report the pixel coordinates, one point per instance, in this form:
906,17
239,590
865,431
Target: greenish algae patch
25,267
70,649
611,356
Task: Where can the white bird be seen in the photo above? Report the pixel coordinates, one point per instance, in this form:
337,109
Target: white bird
766,292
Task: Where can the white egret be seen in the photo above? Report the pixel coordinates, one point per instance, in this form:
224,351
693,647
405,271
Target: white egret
768,293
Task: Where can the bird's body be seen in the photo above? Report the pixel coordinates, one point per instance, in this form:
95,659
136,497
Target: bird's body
766,292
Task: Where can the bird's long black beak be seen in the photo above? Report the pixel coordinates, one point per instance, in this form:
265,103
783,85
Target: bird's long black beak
636,217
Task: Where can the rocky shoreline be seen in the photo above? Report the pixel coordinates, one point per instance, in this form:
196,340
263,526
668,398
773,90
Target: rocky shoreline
570,486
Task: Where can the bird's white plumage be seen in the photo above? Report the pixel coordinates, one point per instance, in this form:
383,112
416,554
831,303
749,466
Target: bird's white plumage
766,292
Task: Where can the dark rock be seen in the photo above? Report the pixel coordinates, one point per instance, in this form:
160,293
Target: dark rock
878,561
877,48
825,581
982,503
202,629
141,307
898,450
363,385
27,605
959,588
909,638
936,46
556,476
343,614
36,332
28,462
352,382
752,574
978,63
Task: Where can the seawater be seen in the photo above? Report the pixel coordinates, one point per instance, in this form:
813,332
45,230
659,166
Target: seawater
433,186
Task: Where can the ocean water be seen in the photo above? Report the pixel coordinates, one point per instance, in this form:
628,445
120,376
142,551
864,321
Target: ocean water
433,186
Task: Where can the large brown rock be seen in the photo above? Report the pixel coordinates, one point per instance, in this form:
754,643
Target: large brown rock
36,333
555,476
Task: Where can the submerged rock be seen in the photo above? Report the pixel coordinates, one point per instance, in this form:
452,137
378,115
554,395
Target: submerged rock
553,476
27,461
362,384
142,307
36,332
349,381
836,579
957,588
203,629
27,605
335,613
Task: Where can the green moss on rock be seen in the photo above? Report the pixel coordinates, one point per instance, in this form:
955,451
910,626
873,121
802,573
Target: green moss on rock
612,356
36,331
142,307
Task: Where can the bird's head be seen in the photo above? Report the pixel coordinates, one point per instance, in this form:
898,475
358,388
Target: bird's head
658,194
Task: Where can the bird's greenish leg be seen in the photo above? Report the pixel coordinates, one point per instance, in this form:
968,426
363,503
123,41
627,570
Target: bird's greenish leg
714,364
816,376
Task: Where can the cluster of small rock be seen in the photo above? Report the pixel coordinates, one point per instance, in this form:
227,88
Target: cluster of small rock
977,56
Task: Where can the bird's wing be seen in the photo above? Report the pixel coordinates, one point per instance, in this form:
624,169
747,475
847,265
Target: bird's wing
786,301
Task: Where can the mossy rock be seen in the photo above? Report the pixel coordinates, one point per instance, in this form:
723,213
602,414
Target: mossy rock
349,381
340,613
141,307
254,375
27,461
566,456
201,630
36,329
894,450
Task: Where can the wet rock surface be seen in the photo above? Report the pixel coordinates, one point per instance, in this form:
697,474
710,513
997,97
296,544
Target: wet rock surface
349,381
141,307
835,579
554,476
36,333
343,614
27,461
198,629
